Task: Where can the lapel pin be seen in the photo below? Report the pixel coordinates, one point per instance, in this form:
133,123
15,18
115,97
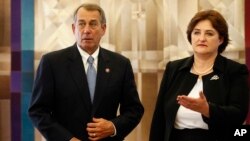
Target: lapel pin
215,77
107,70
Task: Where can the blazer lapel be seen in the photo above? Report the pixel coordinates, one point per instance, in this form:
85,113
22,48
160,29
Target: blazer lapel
103,75
186,85
76,69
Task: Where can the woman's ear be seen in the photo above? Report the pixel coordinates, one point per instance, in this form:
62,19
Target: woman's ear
221,40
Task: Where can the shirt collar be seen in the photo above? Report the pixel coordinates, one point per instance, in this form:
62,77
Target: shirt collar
85,55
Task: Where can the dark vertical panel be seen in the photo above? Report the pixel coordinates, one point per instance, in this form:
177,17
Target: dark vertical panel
15,70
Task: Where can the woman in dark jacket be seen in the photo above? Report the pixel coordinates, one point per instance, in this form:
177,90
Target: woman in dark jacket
201,97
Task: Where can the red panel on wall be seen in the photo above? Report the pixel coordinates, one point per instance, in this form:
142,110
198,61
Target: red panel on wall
247,42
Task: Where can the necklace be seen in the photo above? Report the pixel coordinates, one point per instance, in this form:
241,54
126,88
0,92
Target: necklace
203,72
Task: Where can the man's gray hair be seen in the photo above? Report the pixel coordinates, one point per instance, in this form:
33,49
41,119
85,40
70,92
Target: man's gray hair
91,7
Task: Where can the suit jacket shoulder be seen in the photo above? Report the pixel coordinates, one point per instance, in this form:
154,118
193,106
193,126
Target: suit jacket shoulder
225,65
112,55
62,54
178,65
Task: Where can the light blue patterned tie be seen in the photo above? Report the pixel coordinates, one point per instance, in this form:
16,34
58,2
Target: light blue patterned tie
91,76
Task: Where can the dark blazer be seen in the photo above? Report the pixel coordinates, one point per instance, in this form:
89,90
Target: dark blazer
226,90
61,107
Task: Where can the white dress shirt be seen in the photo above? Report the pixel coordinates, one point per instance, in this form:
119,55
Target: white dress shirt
85,57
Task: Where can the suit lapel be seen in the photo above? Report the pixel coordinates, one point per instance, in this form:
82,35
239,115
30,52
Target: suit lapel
76,69
103,75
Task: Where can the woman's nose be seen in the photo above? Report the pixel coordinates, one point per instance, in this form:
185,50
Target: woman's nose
202,37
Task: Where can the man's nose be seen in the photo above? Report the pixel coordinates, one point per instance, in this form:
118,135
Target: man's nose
86,29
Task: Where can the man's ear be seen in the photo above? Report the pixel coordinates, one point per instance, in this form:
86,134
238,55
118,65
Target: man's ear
73,27
104,26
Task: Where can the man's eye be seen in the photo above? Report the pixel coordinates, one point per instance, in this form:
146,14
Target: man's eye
81,24
93,24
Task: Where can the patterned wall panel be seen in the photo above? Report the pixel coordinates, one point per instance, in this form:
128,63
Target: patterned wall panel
149,31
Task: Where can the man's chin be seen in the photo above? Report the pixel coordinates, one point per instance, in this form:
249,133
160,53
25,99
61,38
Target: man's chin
87,45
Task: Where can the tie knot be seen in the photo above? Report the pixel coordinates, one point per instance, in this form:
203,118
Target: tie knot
90,60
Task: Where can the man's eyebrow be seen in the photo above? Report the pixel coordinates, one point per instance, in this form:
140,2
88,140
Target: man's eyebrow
81,20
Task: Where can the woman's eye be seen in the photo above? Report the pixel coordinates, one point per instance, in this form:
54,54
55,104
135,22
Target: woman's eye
196,33
210,34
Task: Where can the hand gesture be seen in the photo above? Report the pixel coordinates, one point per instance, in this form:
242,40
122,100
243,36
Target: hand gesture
199,104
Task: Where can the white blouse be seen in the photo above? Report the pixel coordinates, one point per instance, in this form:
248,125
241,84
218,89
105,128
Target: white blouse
187,118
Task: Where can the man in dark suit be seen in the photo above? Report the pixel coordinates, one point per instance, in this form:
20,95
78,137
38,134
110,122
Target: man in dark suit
66,106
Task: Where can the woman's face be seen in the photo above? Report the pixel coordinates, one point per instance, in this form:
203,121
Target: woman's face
205,39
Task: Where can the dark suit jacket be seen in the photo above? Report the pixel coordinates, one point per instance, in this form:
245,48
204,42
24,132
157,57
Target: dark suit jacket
61,107
226,90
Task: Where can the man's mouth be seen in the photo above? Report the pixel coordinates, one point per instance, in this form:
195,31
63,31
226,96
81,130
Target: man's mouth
87,38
